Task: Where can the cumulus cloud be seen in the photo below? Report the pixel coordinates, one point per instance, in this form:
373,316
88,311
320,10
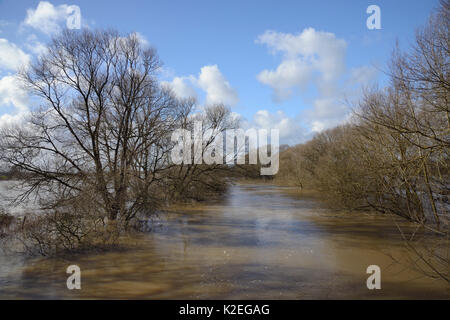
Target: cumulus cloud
289,74
330,108
48,18
217,88
134,35
211,80
35,46
12,94
182,87
290,129
317,59
326,113
11,56
308,57
142,39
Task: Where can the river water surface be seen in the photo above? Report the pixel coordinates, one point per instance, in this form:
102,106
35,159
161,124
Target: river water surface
259,242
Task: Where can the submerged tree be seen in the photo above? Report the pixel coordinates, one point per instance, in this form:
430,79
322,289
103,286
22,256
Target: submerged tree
99,143
102,125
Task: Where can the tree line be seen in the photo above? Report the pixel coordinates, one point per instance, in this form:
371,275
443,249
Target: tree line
393,155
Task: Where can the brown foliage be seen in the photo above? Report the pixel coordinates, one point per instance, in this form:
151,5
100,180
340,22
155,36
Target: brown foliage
394,155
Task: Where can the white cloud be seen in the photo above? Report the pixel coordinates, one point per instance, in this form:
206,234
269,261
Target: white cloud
123,40
12,119
11,56
142,39
327,113
290,130
308,57
182,87
48,18
35,46
314,58
290,74
217,88
330,108
12,94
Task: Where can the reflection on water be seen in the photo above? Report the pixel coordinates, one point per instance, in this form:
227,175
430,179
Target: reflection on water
257,243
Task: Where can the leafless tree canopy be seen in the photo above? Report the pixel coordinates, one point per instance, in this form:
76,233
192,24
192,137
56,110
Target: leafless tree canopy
98,139
394,156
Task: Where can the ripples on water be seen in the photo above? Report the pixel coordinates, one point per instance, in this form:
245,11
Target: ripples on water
259,242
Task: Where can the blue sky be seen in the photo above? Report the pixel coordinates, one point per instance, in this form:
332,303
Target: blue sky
277,64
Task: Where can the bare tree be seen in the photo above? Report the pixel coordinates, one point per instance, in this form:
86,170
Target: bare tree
394,156
197,180
96,151
104,122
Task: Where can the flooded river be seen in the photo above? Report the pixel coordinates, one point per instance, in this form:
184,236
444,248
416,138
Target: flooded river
259,242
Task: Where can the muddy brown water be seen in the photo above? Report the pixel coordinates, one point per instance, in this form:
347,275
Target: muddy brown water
259,242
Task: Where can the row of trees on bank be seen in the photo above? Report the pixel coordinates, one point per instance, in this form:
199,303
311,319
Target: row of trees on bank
393,156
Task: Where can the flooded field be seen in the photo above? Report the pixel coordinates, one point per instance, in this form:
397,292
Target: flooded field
259,242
